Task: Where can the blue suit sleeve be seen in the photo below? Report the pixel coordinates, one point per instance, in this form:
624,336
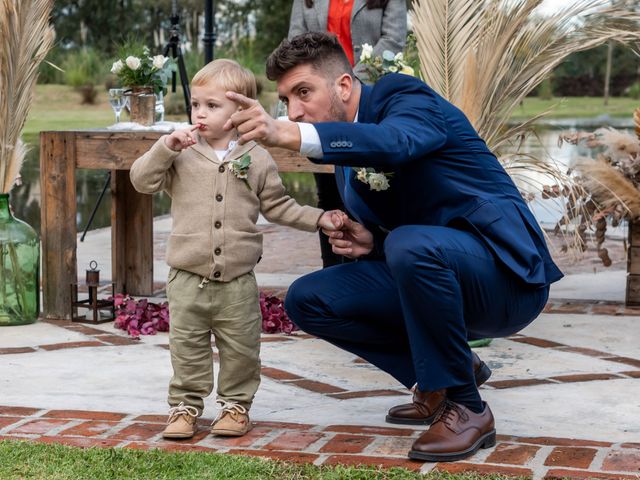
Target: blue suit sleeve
401,121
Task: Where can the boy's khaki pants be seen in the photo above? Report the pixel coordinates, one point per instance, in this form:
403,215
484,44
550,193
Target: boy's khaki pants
231,311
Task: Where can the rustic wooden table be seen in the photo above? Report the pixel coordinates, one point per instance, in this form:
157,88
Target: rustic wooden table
61,153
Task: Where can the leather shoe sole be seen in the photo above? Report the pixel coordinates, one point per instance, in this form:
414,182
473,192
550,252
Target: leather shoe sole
481,375
488,440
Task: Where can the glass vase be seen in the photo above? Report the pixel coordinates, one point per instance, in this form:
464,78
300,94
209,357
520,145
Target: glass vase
19,269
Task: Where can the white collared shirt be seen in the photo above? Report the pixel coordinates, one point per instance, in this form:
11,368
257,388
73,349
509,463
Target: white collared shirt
310,145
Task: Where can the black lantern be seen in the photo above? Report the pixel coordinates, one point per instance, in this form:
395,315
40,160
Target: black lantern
97,310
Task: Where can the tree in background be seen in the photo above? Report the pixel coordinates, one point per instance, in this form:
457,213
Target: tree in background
583,73
95,23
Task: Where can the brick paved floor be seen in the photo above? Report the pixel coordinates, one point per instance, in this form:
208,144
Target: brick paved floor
517,368
547,457
327,443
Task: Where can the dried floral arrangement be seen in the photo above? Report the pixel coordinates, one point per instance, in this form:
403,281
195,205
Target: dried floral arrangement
603,187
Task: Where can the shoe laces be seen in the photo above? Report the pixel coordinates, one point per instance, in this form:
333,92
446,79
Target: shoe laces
182,409
229,407
447,411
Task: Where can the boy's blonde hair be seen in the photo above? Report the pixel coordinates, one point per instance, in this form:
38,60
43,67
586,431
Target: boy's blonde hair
229,75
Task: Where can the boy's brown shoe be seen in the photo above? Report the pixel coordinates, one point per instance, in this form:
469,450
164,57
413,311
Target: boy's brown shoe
181,422
232,421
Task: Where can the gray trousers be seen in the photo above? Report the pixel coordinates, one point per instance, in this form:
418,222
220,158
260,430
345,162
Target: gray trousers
231,312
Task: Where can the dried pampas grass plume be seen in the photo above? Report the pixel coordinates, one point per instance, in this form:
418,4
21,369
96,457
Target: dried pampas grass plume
610,187
620,145
25,39
14,165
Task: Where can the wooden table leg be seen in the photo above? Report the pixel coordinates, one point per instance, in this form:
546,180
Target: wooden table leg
131,236
58,222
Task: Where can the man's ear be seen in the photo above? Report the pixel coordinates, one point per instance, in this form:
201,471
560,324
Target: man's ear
345,86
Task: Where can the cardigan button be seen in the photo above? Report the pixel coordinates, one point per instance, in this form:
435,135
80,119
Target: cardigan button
217,275
221,168
217,251
217,224
219,197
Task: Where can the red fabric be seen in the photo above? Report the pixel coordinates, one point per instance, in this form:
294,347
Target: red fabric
339,22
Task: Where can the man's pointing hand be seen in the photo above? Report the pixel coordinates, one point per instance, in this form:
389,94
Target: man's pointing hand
254,123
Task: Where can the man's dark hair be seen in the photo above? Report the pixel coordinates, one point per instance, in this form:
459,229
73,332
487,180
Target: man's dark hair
320,50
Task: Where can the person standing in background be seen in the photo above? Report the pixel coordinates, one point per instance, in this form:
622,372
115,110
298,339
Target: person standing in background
379,23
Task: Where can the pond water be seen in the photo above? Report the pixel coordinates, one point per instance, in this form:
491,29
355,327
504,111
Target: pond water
25,198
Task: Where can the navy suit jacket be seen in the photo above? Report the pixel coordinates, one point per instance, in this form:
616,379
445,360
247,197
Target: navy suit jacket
443,174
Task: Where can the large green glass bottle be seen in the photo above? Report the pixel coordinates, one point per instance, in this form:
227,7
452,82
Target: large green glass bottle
19,269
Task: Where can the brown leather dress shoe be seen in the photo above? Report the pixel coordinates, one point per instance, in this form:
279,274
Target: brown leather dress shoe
455,433
422,409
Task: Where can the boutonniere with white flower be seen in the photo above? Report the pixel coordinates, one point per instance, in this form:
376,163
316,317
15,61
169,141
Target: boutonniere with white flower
240,168
377,181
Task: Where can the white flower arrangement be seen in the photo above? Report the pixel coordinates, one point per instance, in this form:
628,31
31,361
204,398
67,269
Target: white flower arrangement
140,69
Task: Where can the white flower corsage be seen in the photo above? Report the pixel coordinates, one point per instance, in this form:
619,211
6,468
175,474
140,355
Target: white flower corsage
240,168
377,181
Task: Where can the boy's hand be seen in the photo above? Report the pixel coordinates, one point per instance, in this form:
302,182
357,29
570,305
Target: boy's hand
347,237
181,139
325,220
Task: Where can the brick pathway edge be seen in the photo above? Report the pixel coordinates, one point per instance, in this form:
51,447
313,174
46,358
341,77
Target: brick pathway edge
538,458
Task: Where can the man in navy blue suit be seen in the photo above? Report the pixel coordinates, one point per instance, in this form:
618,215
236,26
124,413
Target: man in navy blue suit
447,249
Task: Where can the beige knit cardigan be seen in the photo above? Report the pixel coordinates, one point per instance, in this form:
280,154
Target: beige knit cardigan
214,212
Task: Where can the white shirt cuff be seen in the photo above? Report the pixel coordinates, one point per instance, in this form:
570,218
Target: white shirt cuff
310,145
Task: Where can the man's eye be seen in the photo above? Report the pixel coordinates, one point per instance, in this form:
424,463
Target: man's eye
304,92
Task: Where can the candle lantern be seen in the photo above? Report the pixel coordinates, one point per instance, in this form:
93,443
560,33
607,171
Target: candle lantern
97,310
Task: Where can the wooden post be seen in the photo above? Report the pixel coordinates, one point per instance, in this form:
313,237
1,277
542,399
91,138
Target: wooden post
58,222
633,265
131,236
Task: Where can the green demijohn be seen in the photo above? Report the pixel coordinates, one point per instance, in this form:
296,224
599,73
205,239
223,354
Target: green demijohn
19,269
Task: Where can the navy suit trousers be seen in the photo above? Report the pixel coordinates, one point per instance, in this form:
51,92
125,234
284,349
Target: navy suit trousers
412,313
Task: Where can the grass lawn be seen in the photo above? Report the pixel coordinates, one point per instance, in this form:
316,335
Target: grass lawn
57,107
56,462
577,107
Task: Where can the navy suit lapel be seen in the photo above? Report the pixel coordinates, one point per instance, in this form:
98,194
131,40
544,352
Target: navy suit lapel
352,190
363,106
